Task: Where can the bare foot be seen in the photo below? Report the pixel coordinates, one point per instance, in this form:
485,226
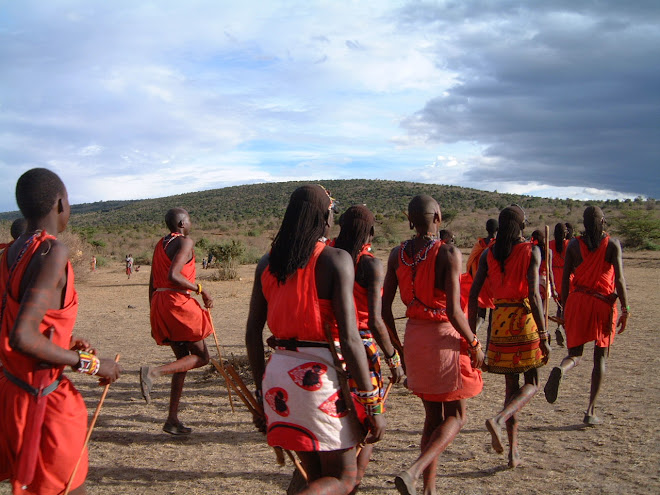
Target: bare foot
591,420
514,458
495,430
146,383
405,483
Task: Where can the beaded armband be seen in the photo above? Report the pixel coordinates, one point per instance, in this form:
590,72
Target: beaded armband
394,361
474,346
89,363
371,400
544,335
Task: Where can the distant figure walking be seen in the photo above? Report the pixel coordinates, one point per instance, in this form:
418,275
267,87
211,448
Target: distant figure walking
92,264
590,314
129,265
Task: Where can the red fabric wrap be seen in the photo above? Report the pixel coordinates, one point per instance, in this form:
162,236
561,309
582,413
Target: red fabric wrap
294,308
512,284
175,316
56,446
590,313
422,299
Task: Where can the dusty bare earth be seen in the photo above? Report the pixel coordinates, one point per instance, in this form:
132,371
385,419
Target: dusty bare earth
129,454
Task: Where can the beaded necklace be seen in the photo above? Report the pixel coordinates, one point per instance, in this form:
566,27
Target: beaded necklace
172,236
421,254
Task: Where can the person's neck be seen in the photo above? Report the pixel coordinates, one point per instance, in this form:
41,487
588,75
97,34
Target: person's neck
48,224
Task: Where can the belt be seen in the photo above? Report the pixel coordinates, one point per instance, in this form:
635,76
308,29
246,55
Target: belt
181,291
29,388
293,344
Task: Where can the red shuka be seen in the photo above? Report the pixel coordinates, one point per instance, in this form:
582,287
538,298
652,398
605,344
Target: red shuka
361,294
512,284
175,316
587,315
294,308
65,420
558,261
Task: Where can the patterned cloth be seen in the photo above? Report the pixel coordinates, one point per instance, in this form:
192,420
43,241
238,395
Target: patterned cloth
514,340
303,403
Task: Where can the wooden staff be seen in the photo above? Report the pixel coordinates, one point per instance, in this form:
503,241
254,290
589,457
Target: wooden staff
217,346
546,303
89,433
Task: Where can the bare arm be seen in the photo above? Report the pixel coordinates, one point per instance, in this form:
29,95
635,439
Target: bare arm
44,288
477,284
616,258
255,326
183,254
373,271
448,268
535,300
389,293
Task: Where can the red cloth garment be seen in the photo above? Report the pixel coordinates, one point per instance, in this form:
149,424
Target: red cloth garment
416,276
472,265
512,284
440,369
304,407
294,308
558,261
65,417
361,294
591,313
175,315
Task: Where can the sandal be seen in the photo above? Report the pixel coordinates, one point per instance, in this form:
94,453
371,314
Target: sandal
177,429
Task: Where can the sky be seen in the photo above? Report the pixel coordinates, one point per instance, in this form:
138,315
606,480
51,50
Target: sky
133,100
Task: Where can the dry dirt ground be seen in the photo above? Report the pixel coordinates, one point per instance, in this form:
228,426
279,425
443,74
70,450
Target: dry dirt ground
129,454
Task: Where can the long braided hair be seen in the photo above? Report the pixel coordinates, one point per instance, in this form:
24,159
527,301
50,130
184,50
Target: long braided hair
593,227
511,224
357,225
302,226
560,235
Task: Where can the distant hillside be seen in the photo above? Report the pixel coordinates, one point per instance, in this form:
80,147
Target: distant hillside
240,203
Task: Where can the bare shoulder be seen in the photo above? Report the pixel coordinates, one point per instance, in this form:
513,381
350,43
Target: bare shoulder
394,254
450,253
335,256
262,265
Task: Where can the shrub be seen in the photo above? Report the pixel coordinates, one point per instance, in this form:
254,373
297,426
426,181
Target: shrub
228,256
640,229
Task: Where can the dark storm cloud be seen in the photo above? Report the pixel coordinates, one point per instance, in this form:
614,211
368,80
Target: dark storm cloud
560,93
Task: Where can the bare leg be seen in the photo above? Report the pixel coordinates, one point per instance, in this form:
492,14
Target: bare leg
516,398
551,388
597,376
362,462
334,474
443,422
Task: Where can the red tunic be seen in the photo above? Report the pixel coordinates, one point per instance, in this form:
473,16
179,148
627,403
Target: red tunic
294,308
65,417
558,261
485,297
361,294
590,312
175,315
437,348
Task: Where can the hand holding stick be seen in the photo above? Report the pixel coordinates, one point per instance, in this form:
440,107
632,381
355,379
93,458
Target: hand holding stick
89,433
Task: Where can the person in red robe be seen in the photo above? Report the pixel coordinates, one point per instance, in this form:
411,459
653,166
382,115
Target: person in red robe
442,355
357,232
594,261
558,246
303,288
177,319
472,265
44,417
518,342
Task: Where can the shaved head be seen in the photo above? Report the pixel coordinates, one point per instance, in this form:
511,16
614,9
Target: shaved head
174,216
422,209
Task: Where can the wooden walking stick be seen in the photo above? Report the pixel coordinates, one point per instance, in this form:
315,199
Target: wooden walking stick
89,433
217,346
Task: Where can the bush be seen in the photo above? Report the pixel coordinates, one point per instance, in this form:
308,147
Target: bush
228,255
640,229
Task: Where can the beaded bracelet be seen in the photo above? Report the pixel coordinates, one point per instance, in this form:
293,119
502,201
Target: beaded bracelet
474,346
89,363
199,289
374,409
544,335
394,361
368,394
